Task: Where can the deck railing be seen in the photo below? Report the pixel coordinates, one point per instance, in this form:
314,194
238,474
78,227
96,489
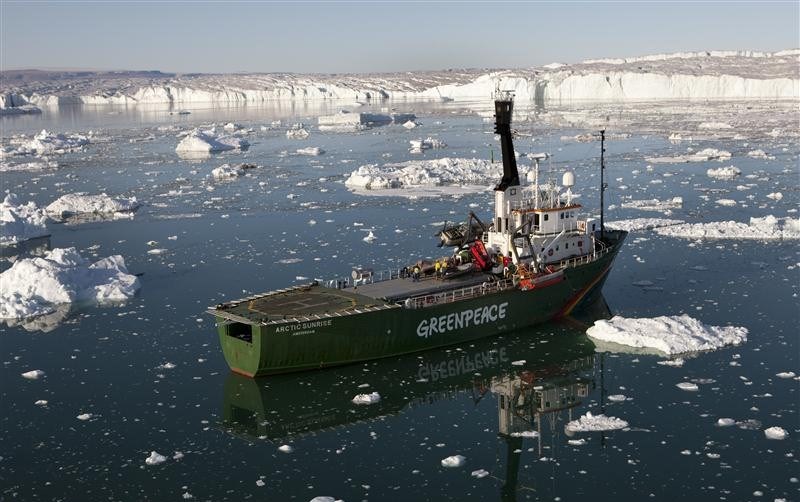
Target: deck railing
367,277
455,295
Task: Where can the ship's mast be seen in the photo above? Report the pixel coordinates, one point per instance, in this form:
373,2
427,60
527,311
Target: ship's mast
603,184
503,106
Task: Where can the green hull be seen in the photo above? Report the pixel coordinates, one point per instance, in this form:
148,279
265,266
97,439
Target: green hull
557,356
281,347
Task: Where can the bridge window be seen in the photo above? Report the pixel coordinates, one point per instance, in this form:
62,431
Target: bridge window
546,216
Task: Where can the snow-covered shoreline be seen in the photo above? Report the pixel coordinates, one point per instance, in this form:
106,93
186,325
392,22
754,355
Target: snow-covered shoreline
699,75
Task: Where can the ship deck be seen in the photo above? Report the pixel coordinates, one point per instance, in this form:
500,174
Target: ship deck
399,289
313,301
298,303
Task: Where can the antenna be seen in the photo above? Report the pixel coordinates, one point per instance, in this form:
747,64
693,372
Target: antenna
603,184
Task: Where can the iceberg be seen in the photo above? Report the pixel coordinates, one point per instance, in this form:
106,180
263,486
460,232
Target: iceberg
668,334
38,286
205,142
81,204
434,172
46,143
20,222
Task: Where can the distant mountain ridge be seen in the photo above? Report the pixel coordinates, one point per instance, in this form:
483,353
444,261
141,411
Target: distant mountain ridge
694,75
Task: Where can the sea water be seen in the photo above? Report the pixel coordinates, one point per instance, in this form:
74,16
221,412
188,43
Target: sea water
121,382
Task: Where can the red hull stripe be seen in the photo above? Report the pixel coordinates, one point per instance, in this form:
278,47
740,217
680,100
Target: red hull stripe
577,298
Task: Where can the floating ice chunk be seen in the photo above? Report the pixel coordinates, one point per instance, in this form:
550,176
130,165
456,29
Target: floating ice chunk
166,366
454,461
677,362
577,442
81,203
84,416
155,459
638,224
324,499
369,238
724,172
589,422
226,172
687,386
480,473
775,196
41,402
521,362
33,374
311,150
297,131
726,202
260,483
725,422
285,448
205,142
759,154
669,334
766,228
714,125
20,222
525,434
36,286
367,398
654,204
410,124
427,173
617,398
701,156
785,374
776,433
46,143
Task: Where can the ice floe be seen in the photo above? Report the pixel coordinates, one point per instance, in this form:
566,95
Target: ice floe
433,172
525,434
47,143
654,204
725,422
776,433
20,222
767,228
155,458
206,142
480,473
285,448
297,131
81,204
639,224
83,417
688,386
371,398
226,172
33,374
699,156
728,172
454,461
668,334
590,422
310,151
37,286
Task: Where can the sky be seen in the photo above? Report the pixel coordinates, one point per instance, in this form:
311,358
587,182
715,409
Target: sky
376,36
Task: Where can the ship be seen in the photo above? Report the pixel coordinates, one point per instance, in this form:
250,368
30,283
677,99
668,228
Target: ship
538,259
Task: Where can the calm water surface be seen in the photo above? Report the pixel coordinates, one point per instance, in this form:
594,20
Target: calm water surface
221,432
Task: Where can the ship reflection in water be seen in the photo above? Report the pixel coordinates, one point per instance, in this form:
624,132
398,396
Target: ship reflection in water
536,376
